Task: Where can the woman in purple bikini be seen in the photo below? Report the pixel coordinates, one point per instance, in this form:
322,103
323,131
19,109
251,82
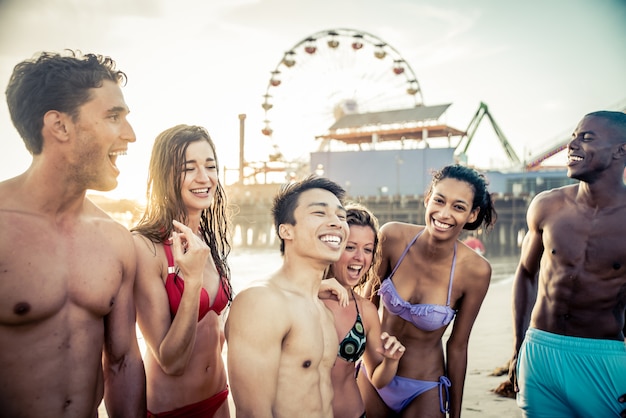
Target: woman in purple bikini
431,277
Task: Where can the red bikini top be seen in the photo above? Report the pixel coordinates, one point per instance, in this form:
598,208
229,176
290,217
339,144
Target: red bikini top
175,285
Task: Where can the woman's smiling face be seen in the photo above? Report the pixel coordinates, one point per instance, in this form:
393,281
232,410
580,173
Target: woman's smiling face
357,258
449,207
199,176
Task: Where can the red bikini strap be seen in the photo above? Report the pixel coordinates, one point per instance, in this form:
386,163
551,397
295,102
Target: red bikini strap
170,257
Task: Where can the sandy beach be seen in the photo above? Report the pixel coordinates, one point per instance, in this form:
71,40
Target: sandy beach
490,348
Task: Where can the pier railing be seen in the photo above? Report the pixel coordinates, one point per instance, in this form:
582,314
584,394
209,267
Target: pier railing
254,227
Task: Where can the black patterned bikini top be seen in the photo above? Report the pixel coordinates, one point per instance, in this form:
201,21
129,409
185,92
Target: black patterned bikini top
352,347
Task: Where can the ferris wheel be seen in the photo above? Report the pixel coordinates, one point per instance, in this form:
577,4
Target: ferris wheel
329,74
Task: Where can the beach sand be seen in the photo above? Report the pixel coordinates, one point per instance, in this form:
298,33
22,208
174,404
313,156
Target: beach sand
490,347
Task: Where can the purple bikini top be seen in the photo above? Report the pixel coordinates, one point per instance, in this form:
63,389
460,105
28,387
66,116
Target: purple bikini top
424,316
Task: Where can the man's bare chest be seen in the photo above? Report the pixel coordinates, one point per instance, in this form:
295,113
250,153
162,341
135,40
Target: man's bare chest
595,240
44,271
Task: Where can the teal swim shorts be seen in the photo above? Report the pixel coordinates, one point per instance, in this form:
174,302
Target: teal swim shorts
562,376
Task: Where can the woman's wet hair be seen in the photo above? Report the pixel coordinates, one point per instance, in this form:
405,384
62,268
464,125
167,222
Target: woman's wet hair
165,202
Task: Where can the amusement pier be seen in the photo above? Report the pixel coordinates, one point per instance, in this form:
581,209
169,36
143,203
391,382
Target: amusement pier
379,140
350,108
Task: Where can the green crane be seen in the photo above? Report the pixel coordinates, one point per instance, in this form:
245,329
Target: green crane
483,111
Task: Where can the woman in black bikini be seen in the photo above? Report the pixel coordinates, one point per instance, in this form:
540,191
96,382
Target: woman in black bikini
430,278
358,324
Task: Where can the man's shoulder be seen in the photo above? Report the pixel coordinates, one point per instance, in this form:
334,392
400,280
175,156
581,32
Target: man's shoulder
260,303
276,292
96,214
552,197
11,195
259,292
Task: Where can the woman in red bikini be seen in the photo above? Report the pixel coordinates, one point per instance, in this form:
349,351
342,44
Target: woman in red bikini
183,279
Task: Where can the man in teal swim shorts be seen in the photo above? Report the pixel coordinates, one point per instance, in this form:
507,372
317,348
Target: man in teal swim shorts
569,295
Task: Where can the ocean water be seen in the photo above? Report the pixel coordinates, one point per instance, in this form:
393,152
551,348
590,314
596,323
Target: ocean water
248,265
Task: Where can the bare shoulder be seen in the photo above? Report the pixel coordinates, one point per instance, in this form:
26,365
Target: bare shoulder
151,262
399,231
552,197
256,307
367,309
99,217
145,246
260,296
474,266
104,234
549,202
11,193
14,205
364,303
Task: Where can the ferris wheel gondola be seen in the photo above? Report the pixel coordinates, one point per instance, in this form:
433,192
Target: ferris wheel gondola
327,75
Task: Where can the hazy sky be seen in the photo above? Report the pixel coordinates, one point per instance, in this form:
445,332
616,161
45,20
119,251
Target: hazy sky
539,65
